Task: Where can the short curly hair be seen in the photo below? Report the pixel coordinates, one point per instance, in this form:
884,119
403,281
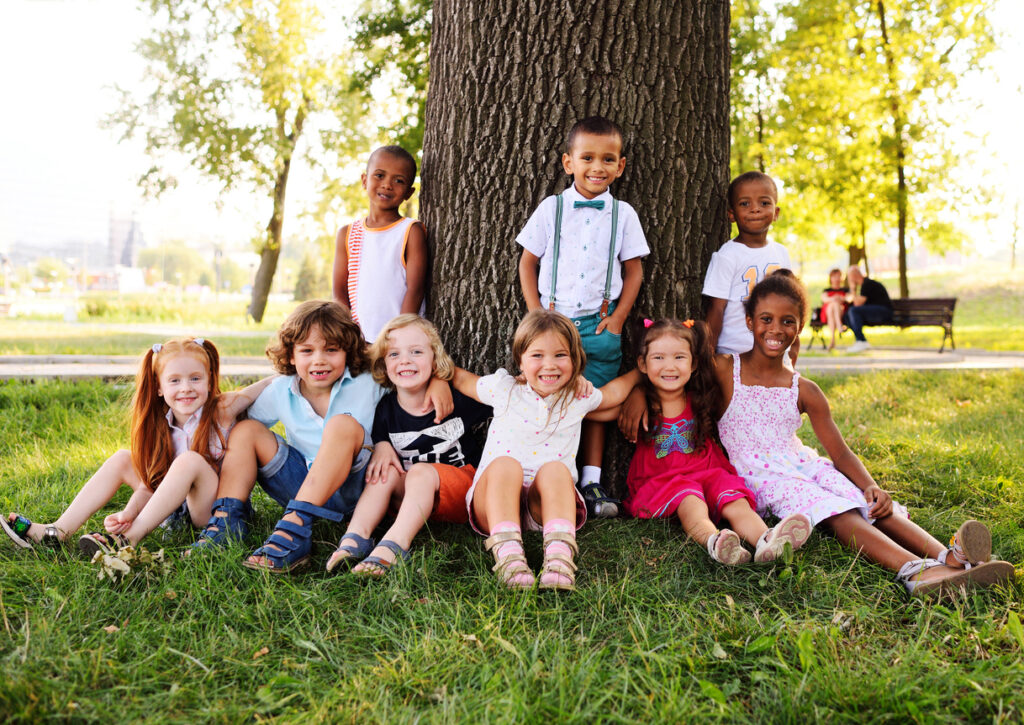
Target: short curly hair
781,282
335,324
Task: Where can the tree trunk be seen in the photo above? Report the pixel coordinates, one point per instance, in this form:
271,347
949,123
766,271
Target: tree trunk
507,81
272,247
900,148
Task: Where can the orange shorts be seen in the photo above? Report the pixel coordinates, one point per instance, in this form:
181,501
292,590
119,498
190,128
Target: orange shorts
450,501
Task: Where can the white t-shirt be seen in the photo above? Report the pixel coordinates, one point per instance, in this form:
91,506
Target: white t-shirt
582,250
734,270
526,429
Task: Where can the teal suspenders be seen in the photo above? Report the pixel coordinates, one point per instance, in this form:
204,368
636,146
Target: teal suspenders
611,255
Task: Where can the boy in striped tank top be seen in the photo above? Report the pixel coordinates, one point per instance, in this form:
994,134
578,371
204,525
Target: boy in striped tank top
380,261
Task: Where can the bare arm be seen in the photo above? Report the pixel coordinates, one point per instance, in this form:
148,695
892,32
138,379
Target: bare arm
341,267
234,402
465,382
813,402
529,268
415,269
632,278
613,394
716,316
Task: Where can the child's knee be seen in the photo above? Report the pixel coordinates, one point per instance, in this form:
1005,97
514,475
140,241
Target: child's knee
246,432
554,471
343,429
422,475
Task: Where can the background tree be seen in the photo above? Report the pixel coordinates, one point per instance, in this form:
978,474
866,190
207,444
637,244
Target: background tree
855,113
233,85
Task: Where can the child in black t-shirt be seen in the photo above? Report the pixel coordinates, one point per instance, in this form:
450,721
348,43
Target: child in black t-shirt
424,467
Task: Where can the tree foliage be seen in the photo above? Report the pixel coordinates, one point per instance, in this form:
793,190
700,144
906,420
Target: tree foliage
233,86
844,101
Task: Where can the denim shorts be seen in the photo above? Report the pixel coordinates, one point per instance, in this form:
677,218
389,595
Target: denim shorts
604,351
283,475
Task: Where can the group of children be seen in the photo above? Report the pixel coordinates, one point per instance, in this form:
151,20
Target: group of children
387,429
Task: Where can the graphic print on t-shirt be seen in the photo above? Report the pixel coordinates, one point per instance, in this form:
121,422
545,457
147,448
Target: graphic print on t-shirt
436,444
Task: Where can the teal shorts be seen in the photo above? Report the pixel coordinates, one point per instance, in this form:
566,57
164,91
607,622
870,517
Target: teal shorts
604,351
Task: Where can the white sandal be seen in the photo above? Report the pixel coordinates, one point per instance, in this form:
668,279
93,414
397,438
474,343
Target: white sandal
725,547
984,574
971,544
794,530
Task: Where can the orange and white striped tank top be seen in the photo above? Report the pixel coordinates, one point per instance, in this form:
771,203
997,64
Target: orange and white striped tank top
376,273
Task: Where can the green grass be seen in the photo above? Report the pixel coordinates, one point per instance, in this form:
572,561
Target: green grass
989,312
656,632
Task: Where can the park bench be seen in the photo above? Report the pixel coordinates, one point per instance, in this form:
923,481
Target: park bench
921,312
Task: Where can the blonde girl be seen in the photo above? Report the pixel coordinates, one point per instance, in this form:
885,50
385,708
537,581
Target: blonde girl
527,472
179,425
420,466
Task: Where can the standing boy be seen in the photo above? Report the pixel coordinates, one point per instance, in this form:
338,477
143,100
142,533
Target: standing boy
741,263
581,257
380,261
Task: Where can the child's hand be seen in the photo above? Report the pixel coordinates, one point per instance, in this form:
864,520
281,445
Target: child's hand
117,523
611,323
383,459
584,388
439,398
633,415
881,502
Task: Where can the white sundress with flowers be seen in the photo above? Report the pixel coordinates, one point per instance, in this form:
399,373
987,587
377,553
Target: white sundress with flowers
758,430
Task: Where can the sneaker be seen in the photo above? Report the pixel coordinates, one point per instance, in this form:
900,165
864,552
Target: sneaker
599,505
859,346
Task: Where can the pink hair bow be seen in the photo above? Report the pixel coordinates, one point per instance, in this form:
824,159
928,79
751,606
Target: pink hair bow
648,323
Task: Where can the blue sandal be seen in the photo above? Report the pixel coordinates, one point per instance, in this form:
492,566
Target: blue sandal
347,553
380,567
221,528
285,554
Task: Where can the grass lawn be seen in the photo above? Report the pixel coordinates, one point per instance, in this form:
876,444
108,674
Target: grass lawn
656,632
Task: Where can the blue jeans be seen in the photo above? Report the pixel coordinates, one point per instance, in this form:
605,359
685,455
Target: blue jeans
857,317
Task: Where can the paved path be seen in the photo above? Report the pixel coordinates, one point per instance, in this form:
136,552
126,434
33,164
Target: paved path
112,367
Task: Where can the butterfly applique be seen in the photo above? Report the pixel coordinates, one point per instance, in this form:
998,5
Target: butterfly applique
677,437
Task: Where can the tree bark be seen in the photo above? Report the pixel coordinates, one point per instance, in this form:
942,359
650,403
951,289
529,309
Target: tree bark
507,82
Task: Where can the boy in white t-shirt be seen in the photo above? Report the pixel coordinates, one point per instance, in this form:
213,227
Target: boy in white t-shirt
573,263
743,262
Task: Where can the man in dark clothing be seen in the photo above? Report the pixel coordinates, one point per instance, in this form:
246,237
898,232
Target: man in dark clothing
871,306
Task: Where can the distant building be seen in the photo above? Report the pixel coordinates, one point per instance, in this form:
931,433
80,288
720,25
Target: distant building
125,240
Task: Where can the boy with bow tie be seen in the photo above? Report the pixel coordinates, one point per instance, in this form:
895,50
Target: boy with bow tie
581,257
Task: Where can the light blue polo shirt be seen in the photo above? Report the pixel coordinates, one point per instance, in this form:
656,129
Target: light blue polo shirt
281,401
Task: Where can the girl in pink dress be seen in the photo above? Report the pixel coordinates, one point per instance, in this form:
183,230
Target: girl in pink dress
764,403
679,469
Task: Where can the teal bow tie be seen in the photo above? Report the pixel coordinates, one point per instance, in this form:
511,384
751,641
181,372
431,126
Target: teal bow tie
592,204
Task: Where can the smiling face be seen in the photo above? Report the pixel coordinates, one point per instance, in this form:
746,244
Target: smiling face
753,207
668,363
594,162
775,324
409,358
835,279
547,364
318,362
388,181
184,385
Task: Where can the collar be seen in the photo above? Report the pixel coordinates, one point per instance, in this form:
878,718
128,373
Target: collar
571,195
190,424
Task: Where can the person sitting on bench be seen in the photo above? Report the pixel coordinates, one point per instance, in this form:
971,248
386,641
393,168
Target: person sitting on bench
870,306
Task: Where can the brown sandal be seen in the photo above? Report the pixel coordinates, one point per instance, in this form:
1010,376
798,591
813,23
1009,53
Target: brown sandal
513,569
557,564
